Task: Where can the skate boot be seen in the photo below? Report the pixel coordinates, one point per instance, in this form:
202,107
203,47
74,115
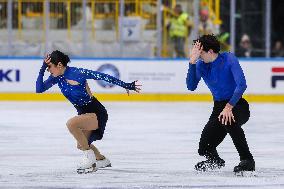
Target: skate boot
103,163
244,165
210,164
88,163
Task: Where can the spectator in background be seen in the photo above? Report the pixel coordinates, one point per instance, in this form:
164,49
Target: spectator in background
278,49
179,28
167,3
80,17
206,26
245,49
60,8
223,38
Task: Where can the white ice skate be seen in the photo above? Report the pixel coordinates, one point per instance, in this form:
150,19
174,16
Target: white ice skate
103,163
88,163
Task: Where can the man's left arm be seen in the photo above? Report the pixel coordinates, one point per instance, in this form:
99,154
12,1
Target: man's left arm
239,78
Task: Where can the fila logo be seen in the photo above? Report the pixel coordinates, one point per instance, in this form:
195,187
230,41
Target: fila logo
276,78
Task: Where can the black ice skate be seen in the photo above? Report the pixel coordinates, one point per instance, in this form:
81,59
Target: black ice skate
210,164
244,166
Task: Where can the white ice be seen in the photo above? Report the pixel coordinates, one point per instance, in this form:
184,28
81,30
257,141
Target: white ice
150,145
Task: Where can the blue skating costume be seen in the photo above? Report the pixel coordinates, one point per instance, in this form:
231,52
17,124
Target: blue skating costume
78,95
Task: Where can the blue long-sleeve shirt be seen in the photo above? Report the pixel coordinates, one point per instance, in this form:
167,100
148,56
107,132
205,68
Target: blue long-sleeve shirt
76,94
224,77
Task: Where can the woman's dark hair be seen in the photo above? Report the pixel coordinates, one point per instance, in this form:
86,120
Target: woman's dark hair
58,56
209,42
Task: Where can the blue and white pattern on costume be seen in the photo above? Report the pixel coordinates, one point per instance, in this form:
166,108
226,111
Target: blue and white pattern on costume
76,94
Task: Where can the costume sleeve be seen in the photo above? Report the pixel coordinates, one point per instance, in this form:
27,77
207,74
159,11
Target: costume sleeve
90,74
193,77
239,78
41,85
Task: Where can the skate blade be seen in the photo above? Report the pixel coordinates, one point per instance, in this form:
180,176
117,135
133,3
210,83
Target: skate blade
88,170
207,169
109,165
246,174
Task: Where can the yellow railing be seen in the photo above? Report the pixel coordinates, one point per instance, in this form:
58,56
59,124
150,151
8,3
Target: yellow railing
136,9
68,14
214,10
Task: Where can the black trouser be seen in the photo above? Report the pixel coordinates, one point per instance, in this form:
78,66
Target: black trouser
214,131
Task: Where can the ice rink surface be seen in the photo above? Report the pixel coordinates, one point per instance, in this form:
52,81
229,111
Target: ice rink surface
150,145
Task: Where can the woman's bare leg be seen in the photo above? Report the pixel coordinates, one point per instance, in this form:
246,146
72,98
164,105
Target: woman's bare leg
77,124
99,156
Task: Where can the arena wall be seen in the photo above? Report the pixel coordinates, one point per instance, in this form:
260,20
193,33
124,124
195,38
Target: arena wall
162,80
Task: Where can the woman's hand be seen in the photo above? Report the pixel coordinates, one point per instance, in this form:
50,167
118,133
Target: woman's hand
137,88
227,115
47,59
195,52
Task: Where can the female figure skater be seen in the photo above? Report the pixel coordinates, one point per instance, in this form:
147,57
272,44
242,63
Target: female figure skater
89,124
224,77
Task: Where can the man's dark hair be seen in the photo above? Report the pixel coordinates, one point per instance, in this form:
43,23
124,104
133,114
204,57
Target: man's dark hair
209,42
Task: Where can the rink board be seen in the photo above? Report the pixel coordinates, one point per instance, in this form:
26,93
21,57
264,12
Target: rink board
162,80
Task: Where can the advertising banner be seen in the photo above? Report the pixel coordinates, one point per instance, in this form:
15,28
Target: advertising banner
156,76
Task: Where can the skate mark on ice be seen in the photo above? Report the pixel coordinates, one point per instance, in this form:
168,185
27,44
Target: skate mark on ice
122,170
269,172
223,186
258,173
